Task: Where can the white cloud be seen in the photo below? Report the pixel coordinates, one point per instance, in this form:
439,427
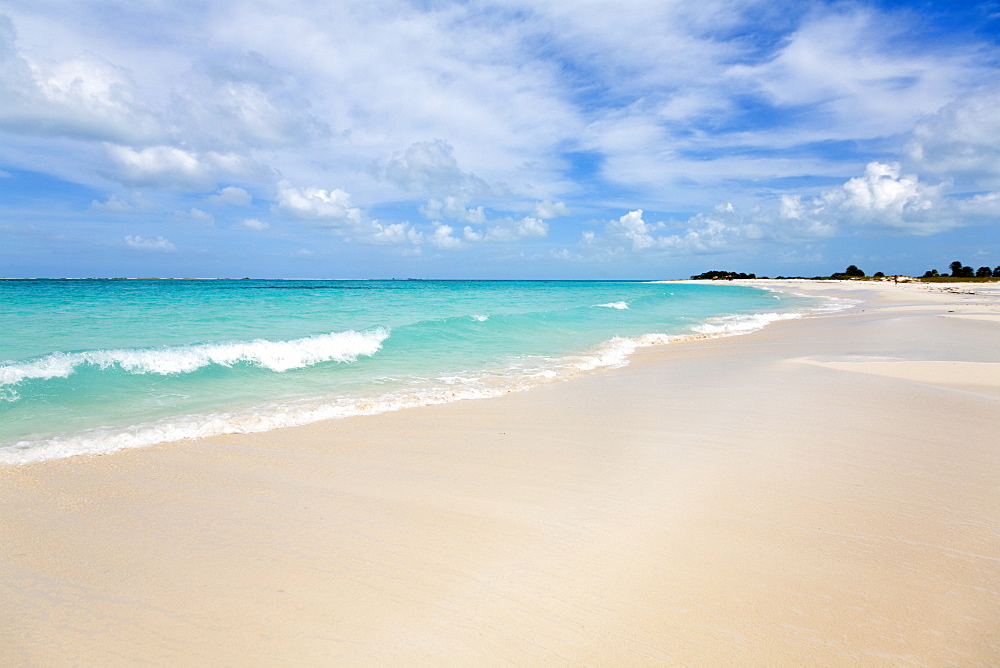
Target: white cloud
240,99
883,190
862,72
231,196
961,141
792,207
171,167
112,204
199,216
985,204
4,175
635,230
724,229
330,206
547,209
85,97
148,243
254,224
443,238
453,208
431,167
884,199
530,227
397,233
508,230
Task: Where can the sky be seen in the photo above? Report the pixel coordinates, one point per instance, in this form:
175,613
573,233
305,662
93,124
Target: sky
540,139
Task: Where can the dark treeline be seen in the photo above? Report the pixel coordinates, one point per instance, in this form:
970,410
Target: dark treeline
956,269
721,276
959,270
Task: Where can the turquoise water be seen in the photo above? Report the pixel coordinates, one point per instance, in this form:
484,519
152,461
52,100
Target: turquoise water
93,366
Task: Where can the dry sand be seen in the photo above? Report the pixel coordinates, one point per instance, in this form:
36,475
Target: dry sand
824,491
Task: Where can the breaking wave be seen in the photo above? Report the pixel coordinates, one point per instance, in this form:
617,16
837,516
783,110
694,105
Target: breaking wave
274,355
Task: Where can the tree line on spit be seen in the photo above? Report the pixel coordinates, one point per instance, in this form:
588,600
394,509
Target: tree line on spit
958,270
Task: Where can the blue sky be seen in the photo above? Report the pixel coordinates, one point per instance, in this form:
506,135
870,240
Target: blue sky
508,139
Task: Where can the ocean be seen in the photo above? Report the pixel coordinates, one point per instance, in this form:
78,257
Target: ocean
97,365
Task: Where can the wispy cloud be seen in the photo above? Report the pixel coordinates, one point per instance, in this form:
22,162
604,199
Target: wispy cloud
231,196
254,224
148,243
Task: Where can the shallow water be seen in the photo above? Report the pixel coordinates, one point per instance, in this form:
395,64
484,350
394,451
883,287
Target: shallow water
91,366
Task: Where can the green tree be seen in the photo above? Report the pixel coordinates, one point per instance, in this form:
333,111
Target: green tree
852,270
956,268
996,271
930,273
983,272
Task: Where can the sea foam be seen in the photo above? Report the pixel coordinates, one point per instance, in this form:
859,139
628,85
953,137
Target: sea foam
277,356
741,324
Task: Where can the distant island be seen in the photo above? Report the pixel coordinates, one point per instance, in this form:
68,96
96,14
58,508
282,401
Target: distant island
957,271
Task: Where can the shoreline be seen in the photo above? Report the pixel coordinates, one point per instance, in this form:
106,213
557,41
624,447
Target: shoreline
823,490
268,414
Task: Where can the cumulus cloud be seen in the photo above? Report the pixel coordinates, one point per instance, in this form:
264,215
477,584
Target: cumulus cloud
332,207
721,229
547,209
882,198
725,228
231,196
397,233
883,190
507,230
636,231
453,208
149,243
443,238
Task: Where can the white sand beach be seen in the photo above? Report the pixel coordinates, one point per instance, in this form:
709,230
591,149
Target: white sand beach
825,491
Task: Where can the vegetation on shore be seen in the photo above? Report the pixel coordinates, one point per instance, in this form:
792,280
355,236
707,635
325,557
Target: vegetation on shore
959,272
716,275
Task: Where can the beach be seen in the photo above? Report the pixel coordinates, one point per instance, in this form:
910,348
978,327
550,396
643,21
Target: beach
824,491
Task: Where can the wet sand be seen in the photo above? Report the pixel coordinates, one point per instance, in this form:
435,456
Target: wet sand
825,491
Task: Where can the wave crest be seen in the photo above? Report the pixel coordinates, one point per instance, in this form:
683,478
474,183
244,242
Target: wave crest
277,356
741,324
